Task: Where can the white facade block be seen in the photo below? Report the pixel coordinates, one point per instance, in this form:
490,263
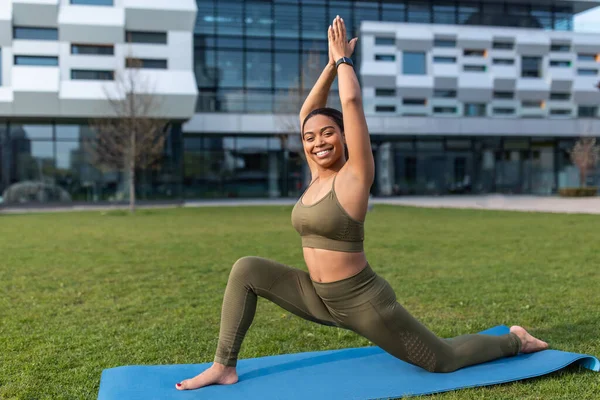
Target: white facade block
166,15
5,23
527,68
35,13
86,32
91,24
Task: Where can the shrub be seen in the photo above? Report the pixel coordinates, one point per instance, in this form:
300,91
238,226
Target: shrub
578,192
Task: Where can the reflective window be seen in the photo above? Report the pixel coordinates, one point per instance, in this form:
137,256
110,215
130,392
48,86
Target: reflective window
341,8
503,61
313,21
92,75
560,63
368,11
444,60
385,57
475,109
31,131
560,96
587,111
146,37
258,20
468,13
231,100
586,57
229,65
44,61
259,101
444,94
287,70
394,11
146,63
93,2
413,63
97,50
205,67
20,32
418,12
414,102
560,48
543,15
531,67
444,43
254,43
286,20
503,111
383,108
444,13
532,104
385,41
385,92
504,95
259,69
444,110
229,17
503,45
474,68
205,17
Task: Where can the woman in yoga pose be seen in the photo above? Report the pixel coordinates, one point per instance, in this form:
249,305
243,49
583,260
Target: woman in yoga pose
340,288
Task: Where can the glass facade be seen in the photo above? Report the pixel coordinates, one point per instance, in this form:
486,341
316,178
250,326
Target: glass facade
251,55
52,155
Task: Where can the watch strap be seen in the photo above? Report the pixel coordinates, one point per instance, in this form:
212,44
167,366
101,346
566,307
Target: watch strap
344,60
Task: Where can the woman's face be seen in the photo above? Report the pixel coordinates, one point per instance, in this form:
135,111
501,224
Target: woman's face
323,141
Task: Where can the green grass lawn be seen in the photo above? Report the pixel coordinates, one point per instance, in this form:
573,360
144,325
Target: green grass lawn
81,292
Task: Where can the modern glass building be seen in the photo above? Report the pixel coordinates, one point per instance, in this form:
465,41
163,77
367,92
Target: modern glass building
461,96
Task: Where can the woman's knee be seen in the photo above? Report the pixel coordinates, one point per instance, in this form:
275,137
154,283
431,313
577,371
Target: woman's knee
245,266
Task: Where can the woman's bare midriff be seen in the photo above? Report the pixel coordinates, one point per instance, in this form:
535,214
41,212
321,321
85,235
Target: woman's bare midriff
329,266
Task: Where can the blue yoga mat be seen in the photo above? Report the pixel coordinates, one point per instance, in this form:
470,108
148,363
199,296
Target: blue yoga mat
358,373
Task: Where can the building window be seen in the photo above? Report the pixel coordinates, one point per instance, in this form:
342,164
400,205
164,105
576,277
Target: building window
148,63
444,94
473,53
444,60
586,57
474,68
42,61
413,63
587,72
384,41
532,104
385,57
414,102
587,111
503,111
560,111
92,2
385,92
560,48
385,108
35,33
146,37
560,63
560,96
504,95
97,50
503,45
444,43
444,110
503,61
95,75
475,109
531,67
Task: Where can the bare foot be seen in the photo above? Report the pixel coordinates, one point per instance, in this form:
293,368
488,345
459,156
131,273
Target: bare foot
216,374
529,344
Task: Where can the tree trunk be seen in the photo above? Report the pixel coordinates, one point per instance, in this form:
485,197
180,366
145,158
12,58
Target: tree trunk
132,175
582,177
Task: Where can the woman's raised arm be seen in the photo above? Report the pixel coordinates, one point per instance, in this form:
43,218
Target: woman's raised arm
360,156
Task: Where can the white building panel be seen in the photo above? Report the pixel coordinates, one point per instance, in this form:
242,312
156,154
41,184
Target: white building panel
166,15
91,24
5,23
586,43
532,43
533,89
414,85
35,90
585,90
6,100
36,48
87,98
474,39
36,13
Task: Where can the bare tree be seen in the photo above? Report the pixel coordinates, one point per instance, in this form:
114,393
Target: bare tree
133,137
585,155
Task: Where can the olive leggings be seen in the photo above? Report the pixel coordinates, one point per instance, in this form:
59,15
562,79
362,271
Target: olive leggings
364,303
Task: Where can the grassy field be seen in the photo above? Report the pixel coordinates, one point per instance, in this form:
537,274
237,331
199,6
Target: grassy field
81,292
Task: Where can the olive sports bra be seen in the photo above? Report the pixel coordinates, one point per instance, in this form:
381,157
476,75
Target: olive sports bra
326,225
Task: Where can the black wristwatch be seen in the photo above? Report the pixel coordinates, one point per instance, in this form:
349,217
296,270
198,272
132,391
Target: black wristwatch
344,60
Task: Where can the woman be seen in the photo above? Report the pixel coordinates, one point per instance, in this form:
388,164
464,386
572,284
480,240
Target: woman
340,288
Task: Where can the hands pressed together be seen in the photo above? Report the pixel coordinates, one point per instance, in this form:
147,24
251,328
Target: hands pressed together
338,45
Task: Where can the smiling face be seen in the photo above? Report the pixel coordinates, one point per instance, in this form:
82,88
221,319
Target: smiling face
323,141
